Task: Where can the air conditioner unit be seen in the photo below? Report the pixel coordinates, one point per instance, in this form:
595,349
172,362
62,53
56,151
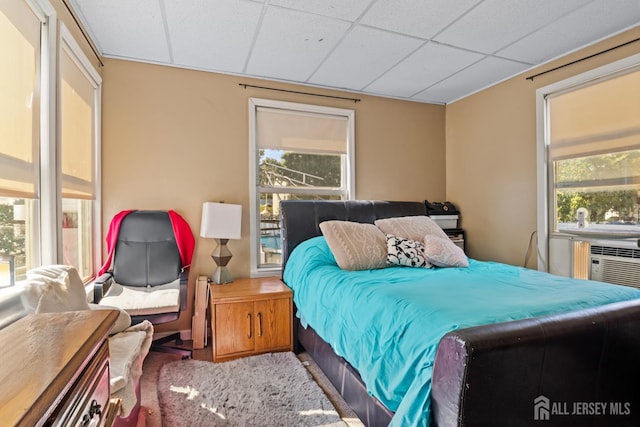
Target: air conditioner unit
619,264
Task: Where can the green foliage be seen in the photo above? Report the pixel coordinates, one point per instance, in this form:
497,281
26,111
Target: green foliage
599,183
598,203
599,167
300,170
326,167
10,244
268,171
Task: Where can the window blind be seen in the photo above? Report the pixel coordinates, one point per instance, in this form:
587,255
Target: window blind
77,131
19,100
303,132
601,118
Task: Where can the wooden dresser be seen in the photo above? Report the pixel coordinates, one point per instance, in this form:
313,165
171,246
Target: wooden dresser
54,370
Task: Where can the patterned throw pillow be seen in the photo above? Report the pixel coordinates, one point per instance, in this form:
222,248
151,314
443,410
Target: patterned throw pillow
443,252
406,252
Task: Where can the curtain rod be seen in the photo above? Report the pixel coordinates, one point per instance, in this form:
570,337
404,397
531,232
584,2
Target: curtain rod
583,59
299,93
73,15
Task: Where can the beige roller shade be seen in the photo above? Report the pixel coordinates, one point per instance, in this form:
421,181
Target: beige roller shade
603,117
19,99
77,131
302,132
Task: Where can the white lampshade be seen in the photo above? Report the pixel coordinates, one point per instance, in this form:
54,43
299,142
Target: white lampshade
221,220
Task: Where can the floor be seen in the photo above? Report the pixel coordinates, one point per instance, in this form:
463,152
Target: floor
150,415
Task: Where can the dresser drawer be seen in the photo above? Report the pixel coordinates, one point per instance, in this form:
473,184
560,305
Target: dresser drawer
87,402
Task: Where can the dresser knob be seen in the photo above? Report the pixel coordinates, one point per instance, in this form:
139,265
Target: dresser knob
95,409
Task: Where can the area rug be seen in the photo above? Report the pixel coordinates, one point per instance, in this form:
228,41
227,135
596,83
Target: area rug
272,389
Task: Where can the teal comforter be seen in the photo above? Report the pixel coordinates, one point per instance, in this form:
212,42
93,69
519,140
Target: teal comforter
387,323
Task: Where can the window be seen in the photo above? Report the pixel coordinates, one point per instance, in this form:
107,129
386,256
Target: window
49,145
20,86
588,163
79,142
594,155
299,152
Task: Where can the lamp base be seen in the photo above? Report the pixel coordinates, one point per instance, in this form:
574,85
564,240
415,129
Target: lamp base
221,256
221,276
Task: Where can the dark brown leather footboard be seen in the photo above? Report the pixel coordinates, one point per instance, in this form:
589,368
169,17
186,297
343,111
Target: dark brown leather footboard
583,367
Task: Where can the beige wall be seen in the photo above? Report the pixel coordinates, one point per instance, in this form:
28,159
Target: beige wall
174,138
491,155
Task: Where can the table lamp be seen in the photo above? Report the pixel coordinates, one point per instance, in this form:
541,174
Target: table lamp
221,221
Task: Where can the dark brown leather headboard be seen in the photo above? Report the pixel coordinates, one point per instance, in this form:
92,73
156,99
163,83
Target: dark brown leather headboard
301,218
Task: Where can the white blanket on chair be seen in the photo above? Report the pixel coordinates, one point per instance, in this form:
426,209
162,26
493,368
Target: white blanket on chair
127,351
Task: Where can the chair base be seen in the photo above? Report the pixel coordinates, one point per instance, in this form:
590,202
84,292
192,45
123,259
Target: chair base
157,345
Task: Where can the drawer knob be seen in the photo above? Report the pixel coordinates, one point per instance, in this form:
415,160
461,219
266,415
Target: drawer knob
95,409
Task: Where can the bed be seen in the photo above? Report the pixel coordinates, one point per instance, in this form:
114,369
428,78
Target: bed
572,358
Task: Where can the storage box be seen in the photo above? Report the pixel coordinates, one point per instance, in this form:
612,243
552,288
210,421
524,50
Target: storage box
445,221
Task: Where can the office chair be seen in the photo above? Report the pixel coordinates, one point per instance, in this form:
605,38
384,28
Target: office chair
147,269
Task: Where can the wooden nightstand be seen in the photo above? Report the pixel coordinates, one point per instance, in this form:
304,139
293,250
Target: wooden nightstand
250,316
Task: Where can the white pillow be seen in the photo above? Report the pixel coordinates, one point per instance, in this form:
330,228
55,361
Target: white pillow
442,252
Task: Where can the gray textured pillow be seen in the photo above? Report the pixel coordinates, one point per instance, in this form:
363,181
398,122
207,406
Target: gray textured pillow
410,227
355,246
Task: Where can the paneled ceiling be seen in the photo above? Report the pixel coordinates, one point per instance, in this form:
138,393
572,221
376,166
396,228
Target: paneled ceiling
435,51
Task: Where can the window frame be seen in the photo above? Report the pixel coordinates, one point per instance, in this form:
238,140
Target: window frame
545,179
348,188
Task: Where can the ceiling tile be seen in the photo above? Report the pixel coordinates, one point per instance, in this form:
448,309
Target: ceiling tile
347,10
567,33
495,24
479,75
291,44
362,56
386,47
128,29
212,35
419,18
428,65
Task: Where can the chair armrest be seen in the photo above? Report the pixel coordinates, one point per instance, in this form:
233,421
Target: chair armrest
184,282
101,285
